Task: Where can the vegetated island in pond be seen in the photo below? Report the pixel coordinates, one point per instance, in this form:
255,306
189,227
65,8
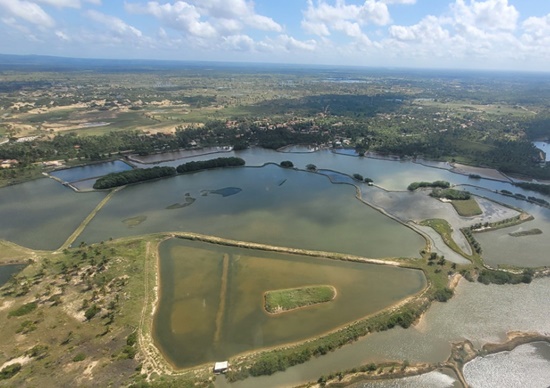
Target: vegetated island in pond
530,232
144,174
280,301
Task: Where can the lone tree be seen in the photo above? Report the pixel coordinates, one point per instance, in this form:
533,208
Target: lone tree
358,177
287,164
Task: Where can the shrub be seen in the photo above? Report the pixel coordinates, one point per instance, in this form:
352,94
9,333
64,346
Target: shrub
10,371
443,295
92,311
23,310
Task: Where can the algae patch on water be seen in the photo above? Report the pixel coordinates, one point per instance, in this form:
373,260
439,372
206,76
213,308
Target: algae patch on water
224,192
278,301
134,221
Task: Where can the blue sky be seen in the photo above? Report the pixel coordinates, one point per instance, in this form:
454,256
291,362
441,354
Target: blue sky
473,34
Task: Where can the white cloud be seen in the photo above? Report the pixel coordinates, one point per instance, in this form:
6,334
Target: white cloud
238,43
61,35
207,18
428,29
537,27
180,16
486,15
292,44
114,25
399,1
322,18
61,3
27,11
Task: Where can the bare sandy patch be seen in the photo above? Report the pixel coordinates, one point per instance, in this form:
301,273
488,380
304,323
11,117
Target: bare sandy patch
6,304
19,360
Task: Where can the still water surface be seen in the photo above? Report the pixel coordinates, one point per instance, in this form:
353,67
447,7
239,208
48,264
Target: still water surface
190,331
42,214
6,272
525,366
477,312
275,206
91,171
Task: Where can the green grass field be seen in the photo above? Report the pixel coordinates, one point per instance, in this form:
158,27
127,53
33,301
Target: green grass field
467,207
278,301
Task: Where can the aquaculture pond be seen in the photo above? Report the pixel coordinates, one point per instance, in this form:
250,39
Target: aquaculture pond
90,171
42,214
269,205
477,312
211,298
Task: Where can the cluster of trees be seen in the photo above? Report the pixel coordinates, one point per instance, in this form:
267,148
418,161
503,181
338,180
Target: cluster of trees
487,276
471,239
529,186
537,187
441,184
287,164
360,178
208,164
133,176
140,175
452,194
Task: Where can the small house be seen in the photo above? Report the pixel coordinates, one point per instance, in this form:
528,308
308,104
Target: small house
221,367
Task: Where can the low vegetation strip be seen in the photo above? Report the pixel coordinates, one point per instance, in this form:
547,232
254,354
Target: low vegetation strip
530,232
279,301
538,187
145,174
441,184
207,164
467,207
133,176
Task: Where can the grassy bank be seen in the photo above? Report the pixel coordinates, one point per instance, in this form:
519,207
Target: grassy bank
278,301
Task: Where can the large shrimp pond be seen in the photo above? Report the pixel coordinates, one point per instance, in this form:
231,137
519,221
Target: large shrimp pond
231,320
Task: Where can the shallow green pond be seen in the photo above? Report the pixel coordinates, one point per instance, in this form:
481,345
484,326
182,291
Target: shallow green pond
190,329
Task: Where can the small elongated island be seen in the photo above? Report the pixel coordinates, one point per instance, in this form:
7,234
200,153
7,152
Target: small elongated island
280,301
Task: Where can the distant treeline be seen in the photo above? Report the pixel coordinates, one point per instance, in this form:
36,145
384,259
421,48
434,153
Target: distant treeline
212,163
441,184
140,175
